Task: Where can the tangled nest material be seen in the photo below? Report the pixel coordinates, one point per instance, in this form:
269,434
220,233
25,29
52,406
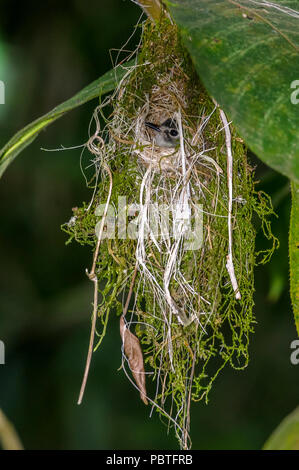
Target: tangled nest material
179,267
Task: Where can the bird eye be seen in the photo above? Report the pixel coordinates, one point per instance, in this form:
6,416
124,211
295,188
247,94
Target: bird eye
173,133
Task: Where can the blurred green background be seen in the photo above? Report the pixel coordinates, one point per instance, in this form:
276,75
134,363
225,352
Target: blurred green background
49,51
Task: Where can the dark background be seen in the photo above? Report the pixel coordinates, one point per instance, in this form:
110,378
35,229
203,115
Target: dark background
48,51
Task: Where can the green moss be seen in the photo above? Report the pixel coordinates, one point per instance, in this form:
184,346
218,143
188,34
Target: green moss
221,336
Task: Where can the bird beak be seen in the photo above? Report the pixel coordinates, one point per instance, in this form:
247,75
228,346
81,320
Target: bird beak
152,126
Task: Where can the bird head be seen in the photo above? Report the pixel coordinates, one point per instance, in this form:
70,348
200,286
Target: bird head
165,134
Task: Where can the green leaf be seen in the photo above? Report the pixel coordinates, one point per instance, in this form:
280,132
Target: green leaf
23,138
246,54
294,253
286,435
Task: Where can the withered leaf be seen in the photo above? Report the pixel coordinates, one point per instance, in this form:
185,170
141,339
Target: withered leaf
134,355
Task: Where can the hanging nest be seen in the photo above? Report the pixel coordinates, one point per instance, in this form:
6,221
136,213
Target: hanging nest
176,250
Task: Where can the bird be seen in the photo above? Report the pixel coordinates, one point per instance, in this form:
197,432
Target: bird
166,134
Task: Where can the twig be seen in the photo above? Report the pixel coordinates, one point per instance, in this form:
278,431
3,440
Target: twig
93,277
229,261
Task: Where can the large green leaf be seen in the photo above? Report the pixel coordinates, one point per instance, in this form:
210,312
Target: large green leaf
294,253
24,137
286,435
246,53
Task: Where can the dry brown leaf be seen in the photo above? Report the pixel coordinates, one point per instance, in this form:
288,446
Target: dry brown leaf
134,355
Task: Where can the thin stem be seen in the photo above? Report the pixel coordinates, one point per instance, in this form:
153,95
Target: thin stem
93,277
91,341
229,263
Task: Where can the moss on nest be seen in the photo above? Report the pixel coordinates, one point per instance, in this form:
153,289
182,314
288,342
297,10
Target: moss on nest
182,361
